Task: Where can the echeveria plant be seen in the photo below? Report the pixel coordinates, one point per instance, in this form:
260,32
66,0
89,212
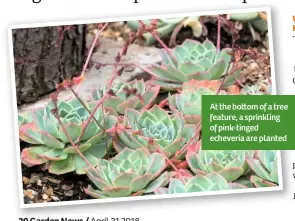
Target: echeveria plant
231,164
51,144
198,183
134,94
131,172
189,100
265,167
193,60
154,129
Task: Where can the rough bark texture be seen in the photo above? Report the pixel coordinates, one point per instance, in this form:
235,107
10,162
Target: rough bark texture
44,57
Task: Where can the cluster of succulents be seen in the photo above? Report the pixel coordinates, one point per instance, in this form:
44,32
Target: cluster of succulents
194,60
166,26
51,145
138,142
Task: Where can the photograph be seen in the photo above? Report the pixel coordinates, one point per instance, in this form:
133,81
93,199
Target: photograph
110,110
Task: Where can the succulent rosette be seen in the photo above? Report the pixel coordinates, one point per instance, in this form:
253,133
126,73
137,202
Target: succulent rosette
193,60
265,166
189,100
132,95
154,129
231,164
198,183
51,144
131,172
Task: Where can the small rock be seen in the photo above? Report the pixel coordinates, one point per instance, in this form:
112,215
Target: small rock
52,180
69,193
26,180
39,183
31,194
45,197
49,191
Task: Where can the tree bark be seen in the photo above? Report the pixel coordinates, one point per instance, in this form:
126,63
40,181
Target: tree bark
45,56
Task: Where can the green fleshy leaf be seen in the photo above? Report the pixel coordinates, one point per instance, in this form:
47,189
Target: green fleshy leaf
231,173
124,179
176,186
117,191
140,183
97,194
156,163
63,166
81,165
50,141
82,148
73,131
31,156
54,155
161,181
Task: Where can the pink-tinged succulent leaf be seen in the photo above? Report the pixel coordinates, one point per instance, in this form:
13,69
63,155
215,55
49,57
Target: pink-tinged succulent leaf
23,135
95,178
156,163
31,132
31,156
194,148
90,131
124,179
175,146
213,85
122,191
96,139
189,68
131,103
141,182
219,179
192,119
166,86
81,164
161,181
151,94
176,186
217,167
113,102
167,73
82,148
138,193
237,186
258,168
130,141
232,173
54,155
73,131
217,70
159,112
63,166
95,193
99,150
258,182
189,131
161,191
50,141
131,118
233,89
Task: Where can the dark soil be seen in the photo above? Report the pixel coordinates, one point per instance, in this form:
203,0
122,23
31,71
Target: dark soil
41,187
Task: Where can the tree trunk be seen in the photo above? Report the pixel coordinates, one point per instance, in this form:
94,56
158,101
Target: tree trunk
45,56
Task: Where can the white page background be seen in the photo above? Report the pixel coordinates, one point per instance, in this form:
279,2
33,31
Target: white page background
254,206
